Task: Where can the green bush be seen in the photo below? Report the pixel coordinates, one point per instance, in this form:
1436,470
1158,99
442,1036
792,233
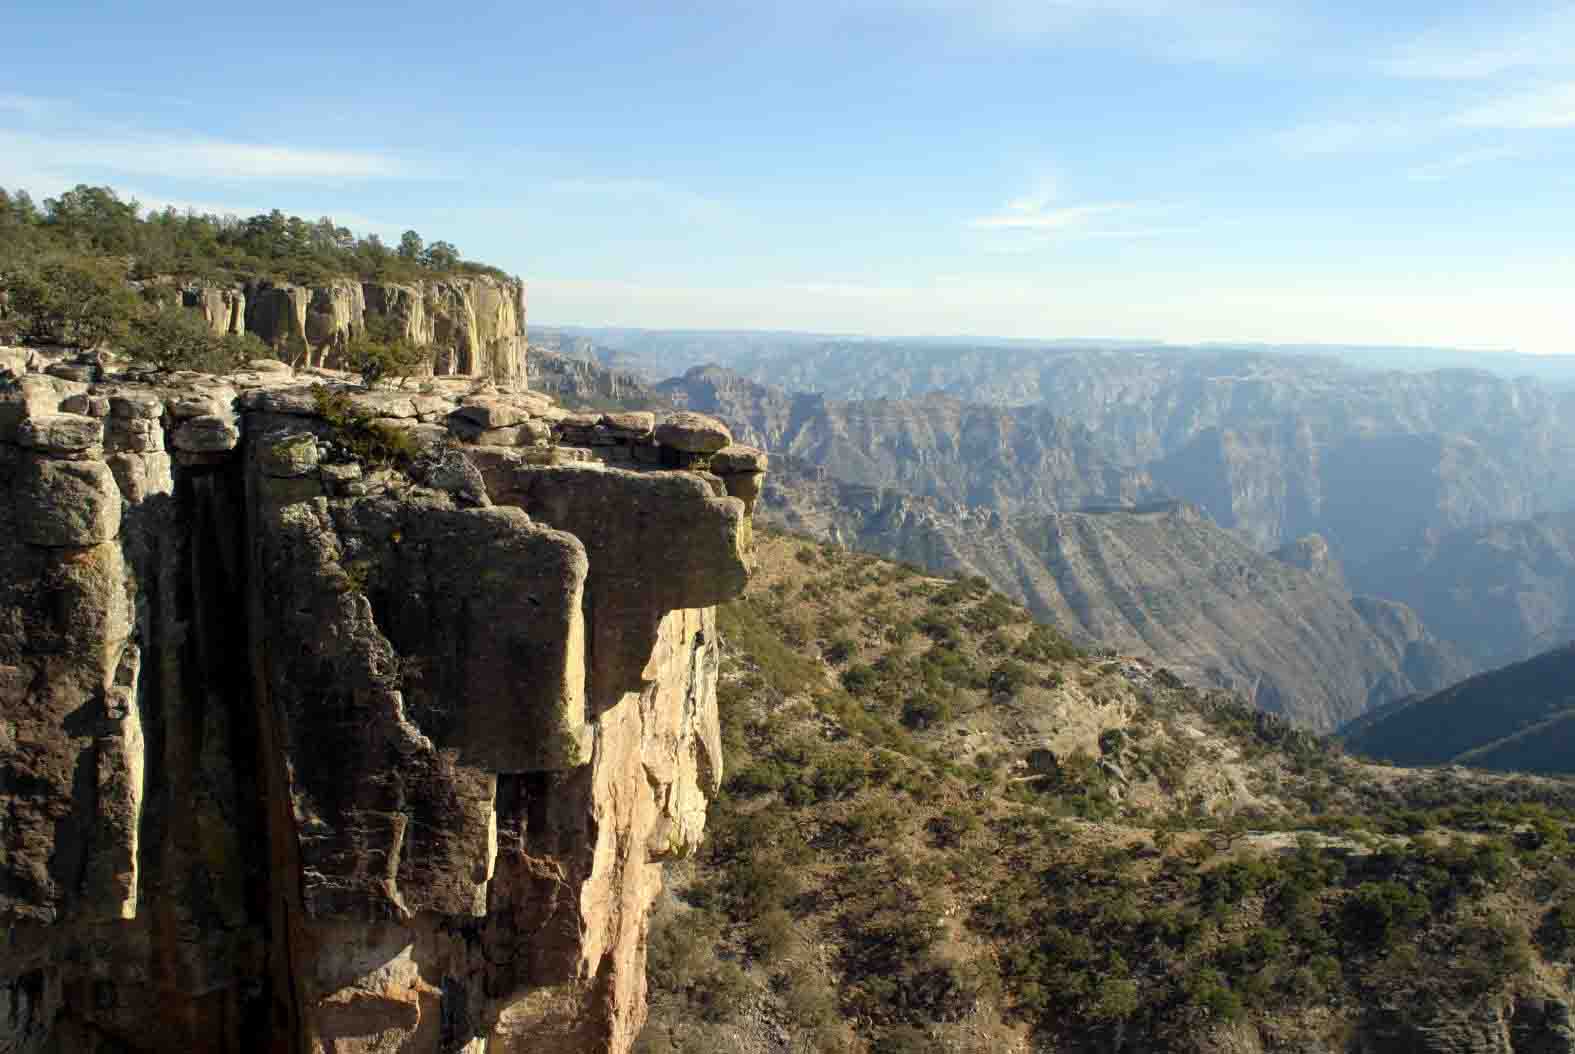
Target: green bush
82,301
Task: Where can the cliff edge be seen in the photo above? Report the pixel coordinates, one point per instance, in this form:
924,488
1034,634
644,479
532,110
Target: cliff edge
345,720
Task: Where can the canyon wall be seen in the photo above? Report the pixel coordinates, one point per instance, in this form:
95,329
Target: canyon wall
347,721
475,324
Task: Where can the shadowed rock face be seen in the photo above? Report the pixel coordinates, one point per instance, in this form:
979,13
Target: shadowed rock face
301,753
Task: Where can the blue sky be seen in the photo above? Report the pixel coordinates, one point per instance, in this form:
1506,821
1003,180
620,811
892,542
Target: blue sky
1171,169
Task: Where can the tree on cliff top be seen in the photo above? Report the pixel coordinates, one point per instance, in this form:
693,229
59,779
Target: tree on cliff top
97,222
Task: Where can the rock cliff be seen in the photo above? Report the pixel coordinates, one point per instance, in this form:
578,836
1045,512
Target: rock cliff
1013,461
349,721
474,323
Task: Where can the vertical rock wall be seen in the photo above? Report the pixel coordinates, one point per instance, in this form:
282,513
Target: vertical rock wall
301,752
475,324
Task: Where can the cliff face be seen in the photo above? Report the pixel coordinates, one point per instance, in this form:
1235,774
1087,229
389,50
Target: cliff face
475,323
577,381
305,747
1014,461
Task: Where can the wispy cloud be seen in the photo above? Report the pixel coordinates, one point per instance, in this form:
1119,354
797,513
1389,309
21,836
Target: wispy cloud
1436,171
646,193
1497,41
1038,214
1346,134
204,158
1550,106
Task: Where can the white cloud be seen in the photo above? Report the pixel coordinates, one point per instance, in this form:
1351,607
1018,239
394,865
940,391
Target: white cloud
1036,215
1550,106
1434,171
202,158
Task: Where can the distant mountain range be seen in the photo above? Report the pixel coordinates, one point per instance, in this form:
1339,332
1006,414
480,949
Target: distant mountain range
1520,717
1133,496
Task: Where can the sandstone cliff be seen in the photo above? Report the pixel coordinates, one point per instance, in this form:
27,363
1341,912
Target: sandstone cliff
474,323
347,721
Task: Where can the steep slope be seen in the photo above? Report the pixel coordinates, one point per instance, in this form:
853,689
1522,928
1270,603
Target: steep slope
1520,717
1159,580
1008,460
943,830
1499,593
1166,581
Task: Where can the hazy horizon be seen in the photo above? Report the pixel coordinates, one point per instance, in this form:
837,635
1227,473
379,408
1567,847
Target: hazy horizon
1184,171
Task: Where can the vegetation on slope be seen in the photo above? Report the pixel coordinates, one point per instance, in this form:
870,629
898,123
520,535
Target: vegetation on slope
944,828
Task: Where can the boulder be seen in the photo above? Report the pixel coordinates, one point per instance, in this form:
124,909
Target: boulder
693,433
636,425
208,434
136,404
738,458
66,503
491,411
70,435
287,456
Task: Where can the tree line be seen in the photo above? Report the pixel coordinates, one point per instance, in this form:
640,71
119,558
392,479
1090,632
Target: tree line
96,221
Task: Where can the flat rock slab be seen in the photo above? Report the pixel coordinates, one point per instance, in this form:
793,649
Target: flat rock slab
61,433
693,433
208,434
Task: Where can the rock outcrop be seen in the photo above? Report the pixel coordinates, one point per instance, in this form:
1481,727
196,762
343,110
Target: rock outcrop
346,721
475,324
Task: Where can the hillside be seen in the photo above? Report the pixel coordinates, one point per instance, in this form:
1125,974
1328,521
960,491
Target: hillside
944,829
1162,581
1018,460
1520,718
1500,593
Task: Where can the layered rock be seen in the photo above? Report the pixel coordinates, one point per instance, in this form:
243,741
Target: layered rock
345,721
475,324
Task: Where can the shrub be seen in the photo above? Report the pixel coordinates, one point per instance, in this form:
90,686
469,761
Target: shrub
860,679
81,301
382,351
174,338
1009,678
840,650
922,711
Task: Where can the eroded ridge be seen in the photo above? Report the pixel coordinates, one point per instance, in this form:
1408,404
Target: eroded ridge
346,720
